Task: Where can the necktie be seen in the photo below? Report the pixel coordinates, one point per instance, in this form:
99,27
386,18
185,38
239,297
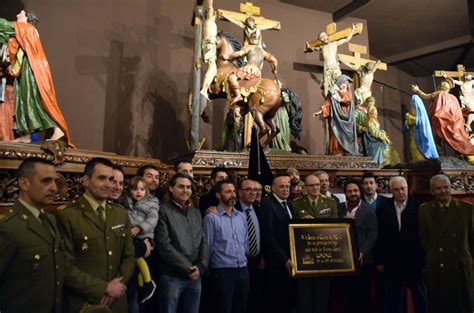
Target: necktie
100,213
46,224
313,205
253,247
287,210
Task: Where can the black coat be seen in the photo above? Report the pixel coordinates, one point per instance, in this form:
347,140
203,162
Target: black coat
399,251
274,221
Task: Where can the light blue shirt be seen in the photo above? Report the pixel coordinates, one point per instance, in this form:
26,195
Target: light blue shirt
254,218
226,238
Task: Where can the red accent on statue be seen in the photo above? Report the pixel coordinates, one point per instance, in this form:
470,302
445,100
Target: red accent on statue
448,122
28,38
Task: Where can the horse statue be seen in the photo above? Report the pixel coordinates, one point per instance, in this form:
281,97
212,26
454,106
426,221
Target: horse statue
261,97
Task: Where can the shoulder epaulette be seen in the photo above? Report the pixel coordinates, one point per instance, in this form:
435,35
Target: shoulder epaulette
6,215
66,205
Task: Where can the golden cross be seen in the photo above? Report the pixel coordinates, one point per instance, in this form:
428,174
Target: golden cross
333,35
459,74
355,60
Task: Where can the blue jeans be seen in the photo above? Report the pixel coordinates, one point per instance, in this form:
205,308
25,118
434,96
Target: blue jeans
173,291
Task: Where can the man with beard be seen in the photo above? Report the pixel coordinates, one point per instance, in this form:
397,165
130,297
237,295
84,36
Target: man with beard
226,234
98,244
446,233
296,184
369,190
151,174
357,295
31,260
209,199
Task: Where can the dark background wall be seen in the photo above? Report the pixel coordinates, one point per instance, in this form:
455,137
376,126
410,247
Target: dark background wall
123,69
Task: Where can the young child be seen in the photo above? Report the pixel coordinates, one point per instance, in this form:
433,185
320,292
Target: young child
143,212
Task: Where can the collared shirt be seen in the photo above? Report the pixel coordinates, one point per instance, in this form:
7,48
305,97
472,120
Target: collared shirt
352,214
227,238
327,193
399,209
313,202
94,203
254,218
34,211
441,205
284,205
372,202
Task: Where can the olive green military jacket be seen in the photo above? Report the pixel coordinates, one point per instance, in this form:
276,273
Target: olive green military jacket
447,236
95,253
31,263
325,208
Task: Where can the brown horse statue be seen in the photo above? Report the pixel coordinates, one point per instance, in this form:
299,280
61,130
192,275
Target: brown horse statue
261,97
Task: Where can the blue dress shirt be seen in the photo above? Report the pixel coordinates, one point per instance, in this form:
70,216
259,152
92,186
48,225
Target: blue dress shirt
226,238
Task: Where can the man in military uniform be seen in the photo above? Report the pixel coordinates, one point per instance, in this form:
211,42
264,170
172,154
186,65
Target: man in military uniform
31,261
313,293
98,245
446,233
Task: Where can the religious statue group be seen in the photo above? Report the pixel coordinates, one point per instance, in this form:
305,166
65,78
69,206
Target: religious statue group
350,117
28,102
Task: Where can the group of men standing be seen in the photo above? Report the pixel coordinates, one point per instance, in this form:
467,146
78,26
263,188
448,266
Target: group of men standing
81,258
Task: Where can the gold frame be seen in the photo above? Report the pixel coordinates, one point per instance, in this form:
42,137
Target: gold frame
304,273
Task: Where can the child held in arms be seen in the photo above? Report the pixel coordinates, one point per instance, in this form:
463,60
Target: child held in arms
143,213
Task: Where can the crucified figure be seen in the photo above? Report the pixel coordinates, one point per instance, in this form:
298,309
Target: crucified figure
209,53
366,75
332,69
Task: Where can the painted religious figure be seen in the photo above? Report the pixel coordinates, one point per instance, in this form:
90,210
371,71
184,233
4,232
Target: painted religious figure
366,75
328,49
35,105
339,111
376,141
446,117
467,97
422,144
209,49
255,53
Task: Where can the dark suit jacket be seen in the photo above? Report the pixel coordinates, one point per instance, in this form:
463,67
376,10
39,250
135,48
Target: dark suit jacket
380,201
400,251
366,229
274,231
31,263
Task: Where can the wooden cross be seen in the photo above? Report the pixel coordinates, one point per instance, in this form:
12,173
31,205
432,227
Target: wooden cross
355,60
333,35
459,73
248,9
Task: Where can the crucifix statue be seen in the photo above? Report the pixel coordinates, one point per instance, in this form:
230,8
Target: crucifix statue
465,83
365,69
252,33
252,23
327,44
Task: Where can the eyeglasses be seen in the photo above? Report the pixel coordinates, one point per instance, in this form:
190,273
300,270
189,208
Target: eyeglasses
250,190
313,185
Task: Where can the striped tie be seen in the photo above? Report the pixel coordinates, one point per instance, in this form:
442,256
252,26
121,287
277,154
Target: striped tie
253,248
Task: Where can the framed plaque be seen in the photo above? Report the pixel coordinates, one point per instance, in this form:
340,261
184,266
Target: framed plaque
323,247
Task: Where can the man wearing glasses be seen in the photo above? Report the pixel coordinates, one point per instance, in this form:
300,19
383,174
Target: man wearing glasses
247,195
313,292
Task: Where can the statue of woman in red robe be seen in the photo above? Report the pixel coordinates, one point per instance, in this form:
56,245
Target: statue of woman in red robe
446,117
